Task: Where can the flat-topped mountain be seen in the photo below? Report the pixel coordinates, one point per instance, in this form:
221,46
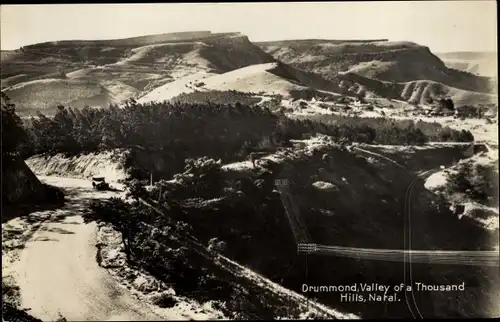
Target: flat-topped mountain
81,72
158,67
134,41
382,60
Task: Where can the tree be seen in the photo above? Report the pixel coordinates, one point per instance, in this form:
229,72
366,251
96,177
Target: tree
449,104
135,189
65,134
446,103
121,215
13,132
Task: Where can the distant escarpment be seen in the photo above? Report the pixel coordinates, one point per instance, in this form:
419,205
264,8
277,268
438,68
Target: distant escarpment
382,60
420,92
102,72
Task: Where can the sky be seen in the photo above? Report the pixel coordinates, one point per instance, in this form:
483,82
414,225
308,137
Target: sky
443,26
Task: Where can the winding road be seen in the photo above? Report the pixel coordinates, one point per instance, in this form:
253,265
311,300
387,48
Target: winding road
57,270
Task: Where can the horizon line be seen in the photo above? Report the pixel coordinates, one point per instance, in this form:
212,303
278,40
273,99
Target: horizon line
367,40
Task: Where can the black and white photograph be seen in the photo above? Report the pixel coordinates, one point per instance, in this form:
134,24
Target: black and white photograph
249,161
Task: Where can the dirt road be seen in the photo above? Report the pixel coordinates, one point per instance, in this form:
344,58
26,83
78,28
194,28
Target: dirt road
57,270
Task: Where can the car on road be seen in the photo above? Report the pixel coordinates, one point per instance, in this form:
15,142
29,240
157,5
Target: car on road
99,183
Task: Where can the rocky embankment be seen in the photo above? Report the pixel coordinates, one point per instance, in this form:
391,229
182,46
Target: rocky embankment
19,183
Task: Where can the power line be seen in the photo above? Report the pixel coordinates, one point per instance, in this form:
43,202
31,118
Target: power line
444,257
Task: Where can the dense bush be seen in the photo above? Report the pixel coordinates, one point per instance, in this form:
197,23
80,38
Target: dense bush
170,133
445,103
365,130
248,224
13,132
124,217
390,131
201,178
477,111
476,181
172,246
165,246
308,94
274,103
163,300
154,126
207,127
11,313
217,97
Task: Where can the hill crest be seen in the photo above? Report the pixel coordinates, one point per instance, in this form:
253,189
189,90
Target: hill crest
124,68
137,41
41,76
383,60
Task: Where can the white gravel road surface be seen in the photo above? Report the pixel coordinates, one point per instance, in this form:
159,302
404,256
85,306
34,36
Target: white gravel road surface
57,271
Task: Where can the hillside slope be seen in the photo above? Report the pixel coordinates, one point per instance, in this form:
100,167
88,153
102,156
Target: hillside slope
115,70
160,67
416,92
267,79
480,174
109,164
478,63
383,60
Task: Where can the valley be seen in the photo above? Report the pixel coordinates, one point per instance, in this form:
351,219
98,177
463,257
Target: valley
240,171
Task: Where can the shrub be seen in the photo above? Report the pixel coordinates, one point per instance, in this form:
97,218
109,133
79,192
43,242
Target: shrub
201,178
216,97
163,300
13,133
216,245
477,182
135,189
11,313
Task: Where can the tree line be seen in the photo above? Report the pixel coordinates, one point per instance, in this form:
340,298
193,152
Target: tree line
217,97
13,133
207,126
176,131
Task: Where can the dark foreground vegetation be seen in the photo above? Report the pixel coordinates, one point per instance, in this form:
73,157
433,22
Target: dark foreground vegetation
477,182
10,303
19,185
170,248
243,218
22,193
12,314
